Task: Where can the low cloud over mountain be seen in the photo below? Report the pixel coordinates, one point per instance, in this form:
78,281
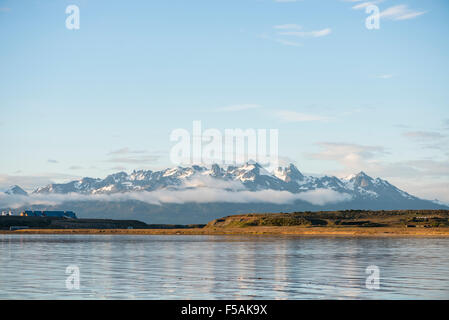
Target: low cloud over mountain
215,191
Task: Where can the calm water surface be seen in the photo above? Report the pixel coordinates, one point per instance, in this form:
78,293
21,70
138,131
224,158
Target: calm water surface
221,267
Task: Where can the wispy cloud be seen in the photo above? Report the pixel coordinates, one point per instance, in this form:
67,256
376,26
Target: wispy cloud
423,135
126,150
348,154
353,158
429,140
52,161
400,12
397,13
385,76
284,33
209,193
289,26
307,34
135,160
365,4
119,168
294,116
239,107
409,174
34,181
127,155
75,168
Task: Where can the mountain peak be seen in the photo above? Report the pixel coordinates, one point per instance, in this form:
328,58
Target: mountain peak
360,176
362,180
251,174
16,190
252,162
288,174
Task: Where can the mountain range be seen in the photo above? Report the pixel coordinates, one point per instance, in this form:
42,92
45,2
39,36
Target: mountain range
197,194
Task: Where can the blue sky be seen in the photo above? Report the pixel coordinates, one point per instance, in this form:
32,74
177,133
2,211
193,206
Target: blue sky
104,98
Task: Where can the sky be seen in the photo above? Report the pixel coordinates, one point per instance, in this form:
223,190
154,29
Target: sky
105,97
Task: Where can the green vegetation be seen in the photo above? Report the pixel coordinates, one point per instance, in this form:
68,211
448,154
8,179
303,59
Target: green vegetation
341,219
327,221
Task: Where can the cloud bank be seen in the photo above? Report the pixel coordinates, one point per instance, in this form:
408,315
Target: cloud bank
196,195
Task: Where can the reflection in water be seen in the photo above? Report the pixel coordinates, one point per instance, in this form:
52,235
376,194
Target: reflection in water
221,267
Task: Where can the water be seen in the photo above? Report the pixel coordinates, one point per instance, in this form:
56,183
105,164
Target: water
221,267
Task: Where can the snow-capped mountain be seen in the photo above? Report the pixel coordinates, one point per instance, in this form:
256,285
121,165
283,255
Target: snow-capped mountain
16,190
251,176
198,194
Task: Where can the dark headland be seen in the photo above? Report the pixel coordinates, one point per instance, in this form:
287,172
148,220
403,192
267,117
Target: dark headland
326,223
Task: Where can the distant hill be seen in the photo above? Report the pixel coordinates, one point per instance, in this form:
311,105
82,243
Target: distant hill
336,219
16,190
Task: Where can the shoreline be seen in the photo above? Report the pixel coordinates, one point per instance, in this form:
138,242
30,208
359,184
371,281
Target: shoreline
254,231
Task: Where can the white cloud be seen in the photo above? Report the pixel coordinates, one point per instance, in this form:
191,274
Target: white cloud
136,160
119,168
239,107
423,135
75,167
125,150
293,30
199,189
201,181
385,76
126,155
197,195
353,156
307,34
323,196
433,190
400,12
407,175
429,140
31,182
365,4
288,26
289,43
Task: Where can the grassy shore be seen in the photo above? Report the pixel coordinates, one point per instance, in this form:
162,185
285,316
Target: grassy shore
351,223
269,230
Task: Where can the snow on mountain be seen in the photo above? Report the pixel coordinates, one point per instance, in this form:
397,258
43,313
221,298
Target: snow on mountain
16,190
197,194
288,174
251,176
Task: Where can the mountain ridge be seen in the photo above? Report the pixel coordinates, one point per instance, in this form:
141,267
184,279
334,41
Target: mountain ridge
262,191
252,176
